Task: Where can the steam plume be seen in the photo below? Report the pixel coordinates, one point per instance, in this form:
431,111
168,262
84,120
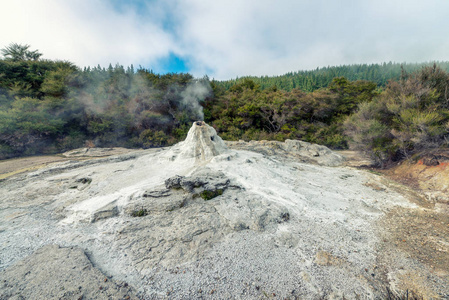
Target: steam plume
193,95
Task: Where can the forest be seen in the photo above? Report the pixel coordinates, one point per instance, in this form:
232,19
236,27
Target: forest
309,81
389,111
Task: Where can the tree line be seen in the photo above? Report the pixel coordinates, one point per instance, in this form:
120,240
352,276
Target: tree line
311,80
51,106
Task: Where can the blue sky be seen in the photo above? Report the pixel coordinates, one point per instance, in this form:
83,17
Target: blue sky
228,38
173,63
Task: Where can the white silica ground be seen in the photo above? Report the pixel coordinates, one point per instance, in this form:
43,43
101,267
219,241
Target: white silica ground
280,228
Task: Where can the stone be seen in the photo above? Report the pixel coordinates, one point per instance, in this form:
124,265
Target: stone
174,182
107,212
311,153
158,193
54,272
203,179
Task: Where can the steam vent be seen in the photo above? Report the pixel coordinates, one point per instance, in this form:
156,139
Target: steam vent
202,143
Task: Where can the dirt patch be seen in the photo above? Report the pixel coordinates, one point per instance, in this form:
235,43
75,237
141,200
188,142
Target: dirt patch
324,258
10,167
15,166
355,158
420,176
421,237
96,152
422,233
427,172
428,177
412,193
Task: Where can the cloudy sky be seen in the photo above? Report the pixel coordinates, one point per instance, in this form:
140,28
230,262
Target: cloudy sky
229,38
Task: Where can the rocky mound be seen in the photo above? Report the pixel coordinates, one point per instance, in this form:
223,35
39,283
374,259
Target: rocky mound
201,143
200,220
302,151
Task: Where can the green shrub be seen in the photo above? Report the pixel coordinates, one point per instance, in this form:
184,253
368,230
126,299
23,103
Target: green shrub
72,141
408,117
150,138
140,213
6,151
208,195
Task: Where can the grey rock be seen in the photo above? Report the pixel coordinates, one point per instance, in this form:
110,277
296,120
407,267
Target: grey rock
307,152
108,212
201,180
159,200
157,193
176,236
174,182
54,272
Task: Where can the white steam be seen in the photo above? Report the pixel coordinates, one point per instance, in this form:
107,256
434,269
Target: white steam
193,95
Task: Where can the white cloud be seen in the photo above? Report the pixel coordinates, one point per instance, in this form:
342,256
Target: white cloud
228,38
236,38
84,31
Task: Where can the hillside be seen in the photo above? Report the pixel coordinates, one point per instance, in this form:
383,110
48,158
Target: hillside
53,106
321,77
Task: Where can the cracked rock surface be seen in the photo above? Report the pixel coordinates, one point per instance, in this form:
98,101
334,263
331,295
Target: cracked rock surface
53,272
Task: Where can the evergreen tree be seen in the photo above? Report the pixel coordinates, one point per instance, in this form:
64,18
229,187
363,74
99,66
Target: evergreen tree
17,52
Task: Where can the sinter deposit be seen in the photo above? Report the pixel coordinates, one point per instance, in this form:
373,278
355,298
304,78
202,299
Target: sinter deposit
202,143
203,219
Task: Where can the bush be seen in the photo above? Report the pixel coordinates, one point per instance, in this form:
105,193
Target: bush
149,139
408,117
6,151
71,141
208,195
139,213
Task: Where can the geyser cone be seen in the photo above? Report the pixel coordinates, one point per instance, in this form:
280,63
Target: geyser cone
202,142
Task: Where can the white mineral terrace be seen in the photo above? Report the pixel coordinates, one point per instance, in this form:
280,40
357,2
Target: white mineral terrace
289,227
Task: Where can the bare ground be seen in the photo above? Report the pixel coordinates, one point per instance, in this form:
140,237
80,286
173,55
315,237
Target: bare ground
10,167
14,166
421,234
